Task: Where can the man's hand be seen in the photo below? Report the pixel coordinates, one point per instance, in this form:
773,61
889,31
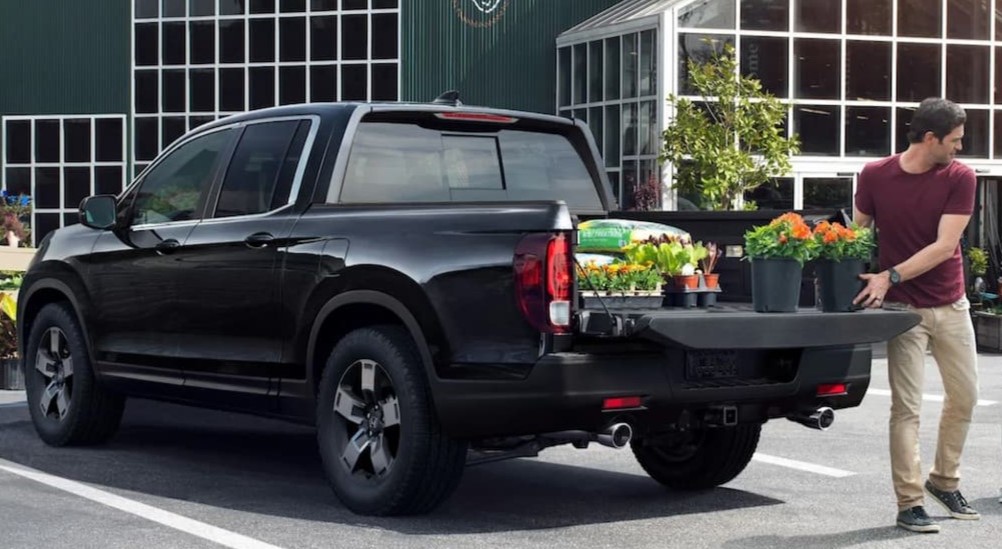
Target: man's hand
872,296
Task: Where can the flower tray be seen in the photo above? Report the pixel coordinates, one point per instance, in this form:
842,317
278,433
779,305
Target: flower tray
649,300
688,298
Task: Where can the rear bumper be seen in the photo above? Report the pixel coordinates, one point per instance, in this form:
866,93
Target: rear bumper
566,391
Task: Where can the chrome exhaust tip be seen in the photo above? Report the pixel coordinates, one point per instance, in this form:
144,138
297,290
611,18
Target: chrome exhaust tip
820,419
617,435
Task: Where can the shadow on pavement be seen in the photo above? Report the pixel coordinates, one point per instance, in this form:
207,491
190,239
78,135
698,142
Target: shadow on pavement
262,466
839,539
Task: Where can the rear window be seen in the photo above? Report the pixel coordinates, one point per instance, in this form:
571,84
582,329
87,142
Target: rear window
402,162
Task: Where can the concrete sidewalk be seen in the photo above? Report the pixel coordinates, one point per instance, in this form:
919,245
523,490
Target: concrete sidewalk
11,397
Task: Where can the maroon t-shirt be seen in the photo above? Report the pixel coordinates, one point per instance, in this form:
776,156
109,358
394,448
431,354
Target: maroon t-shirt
906,209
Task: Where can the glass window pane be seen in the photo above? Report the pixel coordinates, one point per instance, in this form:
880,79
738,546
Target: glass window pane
262,40
18,181
354,82
868,17
292,6
203,42
825,193
867,131
612,77
231,90
998,134
202,90
819,128
708,14
626,201
595,71
231,7
765,15
699,48
145,9
76,140
323,38
197,8
774,195
612,136
564,81
147,44
323,83
107,180
384,82
175,36
292,85
648,122
172,128
262,87
46,187
262,6
901,127
923,18
76,186
765,58
975,134
354,36
868,71
967,19
648,63
47,141
630,128
580,74
817,73
147,138
291,34
108,136
818,16
595,120
172,90
384,36
967,73
173,8
630,65
18,140
253,172
614,184
919,74
231,41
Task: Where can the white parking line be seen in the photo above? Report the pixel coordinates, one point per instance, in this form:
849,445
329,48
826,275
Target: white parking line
802,466
177,522
931,398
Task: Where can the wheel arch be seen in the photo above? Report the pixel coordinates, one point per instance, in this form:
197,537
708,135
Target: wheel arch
65,289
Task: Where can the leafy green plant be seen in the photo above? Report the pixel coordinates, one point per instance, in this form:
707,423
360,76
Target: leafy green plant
733,141
837,242
786,236
12,282
619,277
979,261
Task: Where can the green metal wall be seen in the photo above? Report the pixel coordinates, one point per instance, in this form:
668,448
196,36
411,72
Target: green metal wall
64,57
510,64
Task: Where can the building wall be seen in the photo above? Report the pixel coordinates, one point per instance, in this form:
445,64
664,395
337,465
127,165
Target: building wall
505,58
61,57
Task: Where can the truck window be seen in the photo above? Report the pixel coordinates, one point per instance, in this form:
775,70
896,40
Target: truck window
404,162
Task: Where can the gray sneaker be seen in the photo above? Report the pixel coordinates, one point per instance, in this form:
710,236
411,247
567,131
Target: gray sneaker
953,502
916,520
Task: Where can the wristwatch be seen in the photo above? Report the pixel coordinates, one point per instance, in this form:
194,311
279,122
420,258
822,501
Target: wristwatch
895,276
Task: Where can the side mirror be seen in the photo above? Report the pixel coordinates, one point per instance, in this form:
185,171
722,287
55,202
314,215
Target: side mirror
98,212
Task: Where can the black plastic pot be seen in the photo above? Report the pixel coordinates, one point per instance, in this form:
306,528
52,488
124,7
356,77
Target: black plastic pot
838,284
775,285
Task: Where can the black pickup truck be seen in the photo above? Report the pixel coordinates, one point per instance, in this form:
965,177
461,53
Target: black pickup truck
402,276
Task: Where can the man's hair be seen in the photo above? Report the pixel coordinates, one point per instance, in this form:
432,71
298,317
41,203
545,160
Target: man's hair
937,115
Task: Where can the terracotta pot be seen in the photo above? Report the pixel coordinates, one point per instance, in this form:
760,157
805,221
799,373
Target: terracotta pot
686,281
712,280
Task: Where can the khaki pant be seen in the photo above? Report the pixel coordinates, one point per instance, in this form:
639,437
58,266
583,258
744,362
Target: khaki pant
949,333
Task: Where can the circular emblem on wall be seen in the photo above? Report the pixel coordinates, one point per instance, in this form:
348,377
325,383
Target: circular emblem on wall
480,13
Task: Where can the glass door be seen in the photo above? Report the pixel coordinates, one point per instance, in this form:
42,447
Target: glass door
826,191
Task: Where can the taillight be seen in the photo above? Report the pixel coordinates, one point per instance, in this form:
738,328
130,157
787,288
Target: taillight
544,281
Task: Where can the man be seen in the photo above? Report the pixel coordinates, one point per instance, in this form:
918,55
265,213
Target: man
921,201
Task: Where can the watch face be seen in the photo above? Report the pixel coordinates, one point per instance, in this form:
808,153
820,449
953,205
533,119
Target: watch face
895,277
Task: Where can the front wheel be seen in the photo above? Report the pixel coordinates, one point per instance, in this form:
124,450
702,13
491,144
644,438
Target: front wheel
705,458
66,403
382,447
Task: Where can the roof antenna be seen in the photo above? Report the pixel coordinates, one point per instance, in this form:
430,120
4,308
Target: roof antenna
450,97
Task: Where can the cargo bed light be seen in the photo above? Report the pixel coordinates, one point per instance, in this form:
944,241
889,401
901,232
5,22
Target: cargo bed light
476,117
832,389
620,403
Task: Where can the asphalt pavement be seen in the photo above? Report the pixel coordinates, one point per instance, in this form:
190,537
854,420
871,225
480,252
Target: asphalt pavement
184,477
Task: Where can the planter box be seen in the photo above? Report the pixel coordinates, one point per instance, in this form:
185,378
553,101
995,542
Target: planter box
11,376
988,332
15,259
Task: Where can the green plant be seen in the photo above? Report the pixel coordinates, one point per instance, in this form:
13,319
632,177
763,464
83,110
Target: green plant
731,143
713,254
979,261
8,326
11,282
619,277
837,242
786,236
669,258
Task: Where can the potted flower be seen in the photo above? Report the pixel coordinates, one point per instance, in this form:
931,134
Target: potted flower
620,284
842,253
709,263
777,252
14,212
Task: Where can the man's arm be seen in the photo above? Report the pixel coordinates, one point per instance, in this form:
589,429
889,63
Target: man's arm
860,218
951,227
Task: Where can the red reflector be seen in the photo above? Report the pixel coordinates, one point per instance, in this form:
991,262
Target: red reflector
616,403
476,117
831,389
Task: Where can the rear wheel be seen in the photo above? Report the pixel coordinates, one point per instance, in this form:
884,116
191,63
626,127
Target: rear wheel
66,403
382,447
703,459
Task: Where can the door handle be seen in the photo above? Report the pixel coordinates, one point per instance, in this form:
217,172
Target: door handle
167,246
259,240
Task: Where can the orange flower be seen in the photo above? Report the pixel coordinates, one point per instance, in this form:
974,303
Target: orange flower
830,237
782,238
801,231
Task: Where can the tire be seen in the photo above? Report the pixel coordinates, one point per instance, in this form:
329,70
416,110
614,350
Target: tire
67,404
382,448
709,458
